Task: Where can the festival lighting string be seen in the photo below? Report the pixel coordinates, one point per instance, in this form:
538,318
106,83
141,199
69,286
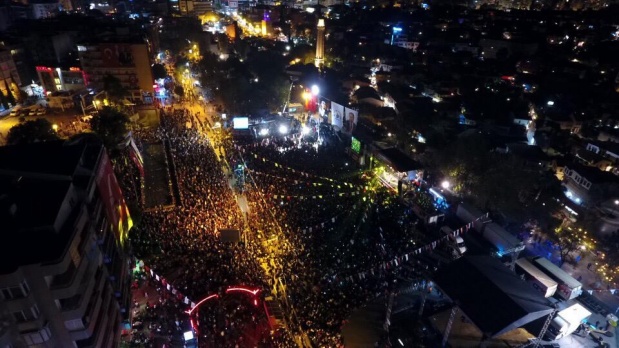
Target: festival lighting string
299,182
299,172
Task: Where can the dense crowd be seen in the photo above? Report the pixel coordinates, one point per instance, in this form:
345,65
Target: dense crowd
314,222
319,207
182,242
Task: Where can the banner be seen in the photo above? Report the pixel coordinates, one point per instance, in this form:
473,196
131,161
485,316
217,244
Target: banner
350,120
136,156
115,208
116,55
324,109
337,115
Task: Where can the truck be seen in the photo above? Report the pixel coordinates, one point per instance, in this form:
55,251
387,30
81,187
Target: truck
569,288
540,280
504,242
456,243
567,321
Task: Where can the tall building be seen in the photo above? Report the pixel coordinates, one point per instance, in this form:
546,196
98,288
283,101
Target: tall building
128,61
320,43
64,274
9,77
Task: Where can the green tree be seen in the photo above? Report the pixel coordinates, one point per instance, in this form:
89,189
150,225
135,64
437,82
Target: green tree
159,71
32,132
179,90
110,125
114,88
568,240
463,162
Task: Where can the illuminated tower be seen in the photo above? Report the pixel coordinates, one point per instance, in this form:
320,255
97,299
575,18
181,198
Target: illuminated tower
320,44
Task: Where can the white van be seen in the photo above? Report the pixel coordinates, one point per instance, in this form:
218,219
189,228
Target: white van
455,241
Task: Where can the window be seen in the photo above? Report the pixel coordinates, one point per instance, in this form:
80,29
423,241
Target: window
37,337
72,325
14,292
26,315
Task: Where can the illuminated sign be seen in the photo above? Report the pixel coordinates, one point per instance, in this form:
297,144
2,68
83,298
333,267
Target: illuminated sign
240,123
44,68
74,68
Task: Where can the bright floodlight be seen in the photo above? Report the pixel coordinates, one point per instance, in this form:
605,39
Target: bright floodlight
445,184
305,130
288,48
188,335
264,132
315,90
283,129
550,103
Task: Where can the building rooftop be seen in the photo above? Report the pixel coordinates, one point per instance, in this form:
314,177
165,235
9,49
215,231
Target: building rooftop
35,180
593,174
491,295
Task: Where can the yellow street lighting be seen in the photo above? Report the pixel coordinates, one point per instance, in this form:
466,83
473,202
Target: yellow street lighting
55,127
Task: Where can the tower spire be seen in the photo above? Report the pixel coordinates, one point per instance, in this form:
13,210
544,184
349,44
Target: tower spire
320,43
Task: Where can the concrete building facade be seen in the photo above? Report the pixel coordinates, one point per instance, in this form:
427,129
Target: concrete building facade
128,62
64,274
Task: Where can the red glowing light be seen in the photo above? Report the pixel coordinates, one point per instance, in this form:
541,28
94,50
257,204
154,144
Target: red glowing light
201,301
215,296
253,292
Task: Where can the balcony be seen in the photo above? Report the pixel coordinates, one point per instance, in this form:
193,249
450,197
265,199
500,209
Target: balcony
65,279
98,324
66,284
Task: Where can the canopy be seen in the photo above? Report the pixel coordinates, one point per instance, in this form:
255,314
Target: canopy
491,295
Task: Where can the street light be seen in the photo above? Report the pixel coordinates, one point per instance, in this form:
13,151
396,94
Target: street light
445,184
315,90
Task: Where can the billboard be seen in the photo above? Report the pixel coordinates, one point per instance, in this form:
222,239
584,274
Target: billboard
337,115
116,55
240,123
350,120
113,201
324,109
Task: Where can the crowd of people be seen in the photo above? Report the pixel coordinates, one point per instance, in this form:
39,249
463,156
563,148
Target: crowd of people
182,242
331,221
314,221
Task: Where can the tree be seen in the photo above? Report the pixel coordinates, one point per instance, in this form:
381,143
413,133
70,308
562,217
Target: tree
32,132
179,90
159,71
114,88
567,239
110,125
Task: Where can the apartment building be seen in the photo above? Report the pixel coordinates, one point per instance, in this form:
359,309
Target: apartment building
64,274
129,61
586,185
